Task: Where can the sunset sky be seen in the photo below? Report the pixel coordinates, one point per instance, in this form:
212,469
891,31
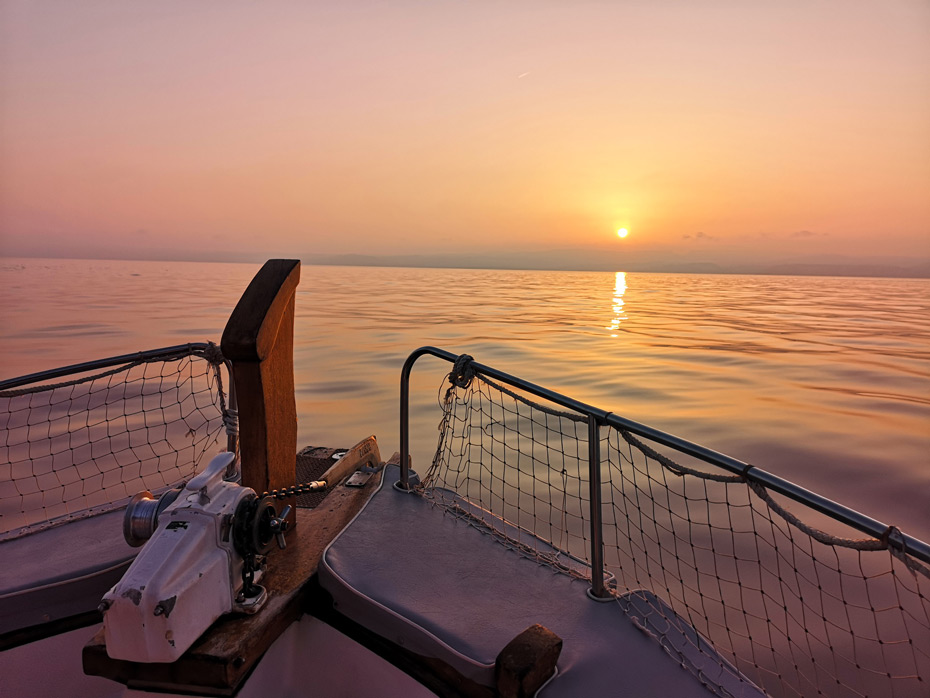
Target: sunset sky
713,131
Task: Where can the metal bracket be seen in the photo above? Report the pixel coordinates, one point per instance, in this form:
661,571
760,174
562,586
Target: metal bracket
358,479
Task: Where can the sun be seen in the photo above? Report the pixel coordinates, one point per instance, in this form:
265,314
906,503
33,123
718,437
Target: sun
623,232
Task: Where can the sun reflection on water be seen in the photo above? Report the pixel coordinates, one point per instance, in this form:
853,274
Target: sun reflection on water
619,312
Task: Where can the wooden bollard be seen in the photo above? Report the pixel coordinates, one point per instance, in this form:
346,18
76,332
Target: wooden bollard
259,341
527,662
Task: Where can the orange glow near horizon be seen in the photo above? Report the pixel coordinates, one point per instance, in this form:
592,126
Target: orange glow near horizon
301,129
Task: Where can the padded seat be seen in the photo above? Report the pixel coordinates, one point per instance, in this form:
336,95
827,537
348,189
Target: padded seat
62,571
432,584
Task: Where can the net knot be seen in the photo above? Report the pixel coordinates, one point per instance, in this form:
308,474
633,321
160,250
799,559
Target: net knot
462,371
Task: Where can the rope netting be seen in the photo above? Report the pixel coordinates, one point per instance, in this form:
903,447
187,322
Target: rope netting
749,593
86,443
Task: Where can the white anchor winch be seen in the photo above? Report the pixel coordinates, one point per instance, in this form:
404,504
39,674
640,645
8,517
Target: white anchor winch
203,548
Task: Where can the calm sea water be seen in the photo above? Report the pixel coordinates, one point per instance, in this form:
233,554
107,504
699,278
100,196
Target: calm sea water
824,381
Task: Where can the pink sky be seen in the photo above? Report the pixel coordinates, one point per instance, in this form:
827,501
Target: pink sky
715,130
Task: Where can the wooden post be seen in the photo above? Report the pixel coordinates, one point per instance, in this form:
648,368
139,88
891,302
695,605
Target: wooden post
527,662
259,341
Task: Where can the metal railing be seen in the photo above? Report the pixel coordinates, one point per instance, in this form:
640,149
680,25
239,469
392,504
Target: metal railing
205,350
597,418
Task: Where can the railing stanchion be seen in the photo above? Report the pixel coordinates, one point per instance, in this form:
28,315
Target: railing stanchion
404,483
597,538
232,435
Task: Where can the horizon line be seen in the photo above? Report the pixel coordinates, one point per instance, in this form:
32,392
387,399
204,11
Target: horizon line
815,269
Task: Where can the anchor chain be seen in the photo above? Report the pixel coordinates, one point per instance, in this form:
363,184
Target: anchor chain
249,589
293,490
255,527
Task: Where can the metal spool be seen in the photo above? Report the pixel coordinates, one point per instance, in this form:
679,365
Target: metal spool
142,512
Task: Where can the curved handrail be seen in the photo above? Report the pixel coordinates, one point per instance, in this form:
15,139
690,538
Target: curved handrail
900,541
163,353
206,350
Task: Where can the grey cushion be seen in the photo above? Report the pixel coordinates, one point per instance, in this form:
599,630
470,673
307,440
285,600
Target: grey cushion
435,585
62,571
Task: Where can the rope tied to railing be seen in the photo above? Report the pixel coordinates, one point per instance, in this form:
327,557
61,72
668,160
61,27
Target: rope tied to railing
899,550
462,371
718,553
762,492
676,468
882,543
213,354
460,376
231,421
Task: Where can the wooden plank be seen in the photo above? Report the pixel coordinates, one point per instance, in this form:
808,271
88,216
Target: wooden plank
223,657
365,452
259,341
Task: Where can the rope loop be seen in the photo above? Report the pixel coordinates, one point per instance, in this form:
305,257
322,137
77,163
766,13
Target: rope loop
888,533
231,421
462,371
213,354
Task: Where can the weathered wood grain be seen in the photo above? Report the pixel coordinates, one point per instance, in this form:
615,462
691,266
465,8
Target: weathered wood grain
527,662
365,452
259,341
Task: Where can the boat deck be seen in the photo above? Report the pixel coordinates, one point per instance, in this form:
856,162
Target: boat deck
436,586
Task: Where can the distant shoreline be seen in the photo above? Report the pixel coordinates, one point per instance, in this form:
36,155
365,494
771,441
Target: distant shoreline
864,270
920,270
